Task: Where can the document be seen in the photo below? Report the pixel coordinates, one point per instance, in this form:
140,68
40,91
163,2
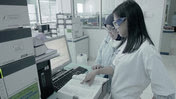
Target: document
75,90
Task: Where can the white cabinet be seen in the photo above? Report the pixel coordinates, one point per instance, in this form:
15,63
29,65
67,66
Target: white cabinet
168,43
77,46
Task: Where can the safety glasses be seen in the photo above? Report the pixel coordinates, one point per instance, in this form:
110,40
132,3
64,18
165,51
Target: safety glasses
118,22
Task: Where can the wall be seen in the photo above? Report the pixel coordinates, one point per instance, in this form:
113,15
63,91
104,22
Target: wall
91,6
75,5
108,6
172,9
63,6
96,36
168,43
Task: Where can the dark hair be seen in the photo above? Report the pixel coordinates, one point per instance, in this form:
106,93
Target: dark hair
137,32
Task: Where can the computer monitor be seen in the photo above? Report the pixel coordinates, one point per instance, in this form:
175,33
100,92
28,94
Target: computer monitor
60,44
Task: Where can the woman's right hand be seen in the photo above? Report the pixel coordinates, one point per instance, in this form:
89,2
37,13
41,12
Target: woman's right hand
90,77
96,67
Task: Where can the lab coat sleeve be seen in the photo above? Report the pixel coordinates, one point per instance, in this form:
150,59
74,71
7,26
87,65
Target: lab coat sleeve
160,82
99,55
113,64
172,96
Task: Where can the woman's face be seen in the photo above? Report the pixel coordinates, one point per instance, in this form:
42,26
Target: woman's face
121,26
112,31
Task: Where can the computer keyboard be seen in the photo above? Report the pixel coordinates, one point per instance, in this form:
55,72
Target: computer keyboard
62,79
79,70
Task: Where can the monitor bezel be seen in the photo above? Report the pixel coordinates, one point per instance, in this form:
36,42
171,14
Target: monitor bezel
58,68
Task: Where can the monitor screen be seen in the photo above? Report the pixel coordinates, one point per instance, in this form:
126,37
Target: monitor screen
60,44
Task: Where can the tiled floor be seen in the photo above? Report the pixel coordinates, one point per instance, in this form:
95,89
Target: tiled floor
170,63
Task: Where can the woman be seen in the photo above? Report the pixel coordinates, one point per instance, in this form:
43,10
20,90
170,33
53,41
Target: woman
137,63
106,52
107,48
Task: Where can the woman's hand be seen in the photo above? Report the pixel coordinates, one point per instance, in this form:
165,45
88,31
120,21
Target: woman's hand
96,67
90,77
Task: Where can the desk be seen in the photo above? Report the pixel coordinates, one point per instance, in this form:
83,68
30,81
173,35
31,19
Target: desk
70,66
55,96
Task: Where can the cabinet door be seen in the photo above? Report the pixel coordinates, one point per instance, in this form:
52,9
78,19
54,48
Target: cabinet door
72,50
82,46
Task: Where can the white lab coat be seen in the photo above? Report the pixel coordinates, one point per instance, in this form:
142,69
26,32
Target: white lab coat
106,52
135,71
